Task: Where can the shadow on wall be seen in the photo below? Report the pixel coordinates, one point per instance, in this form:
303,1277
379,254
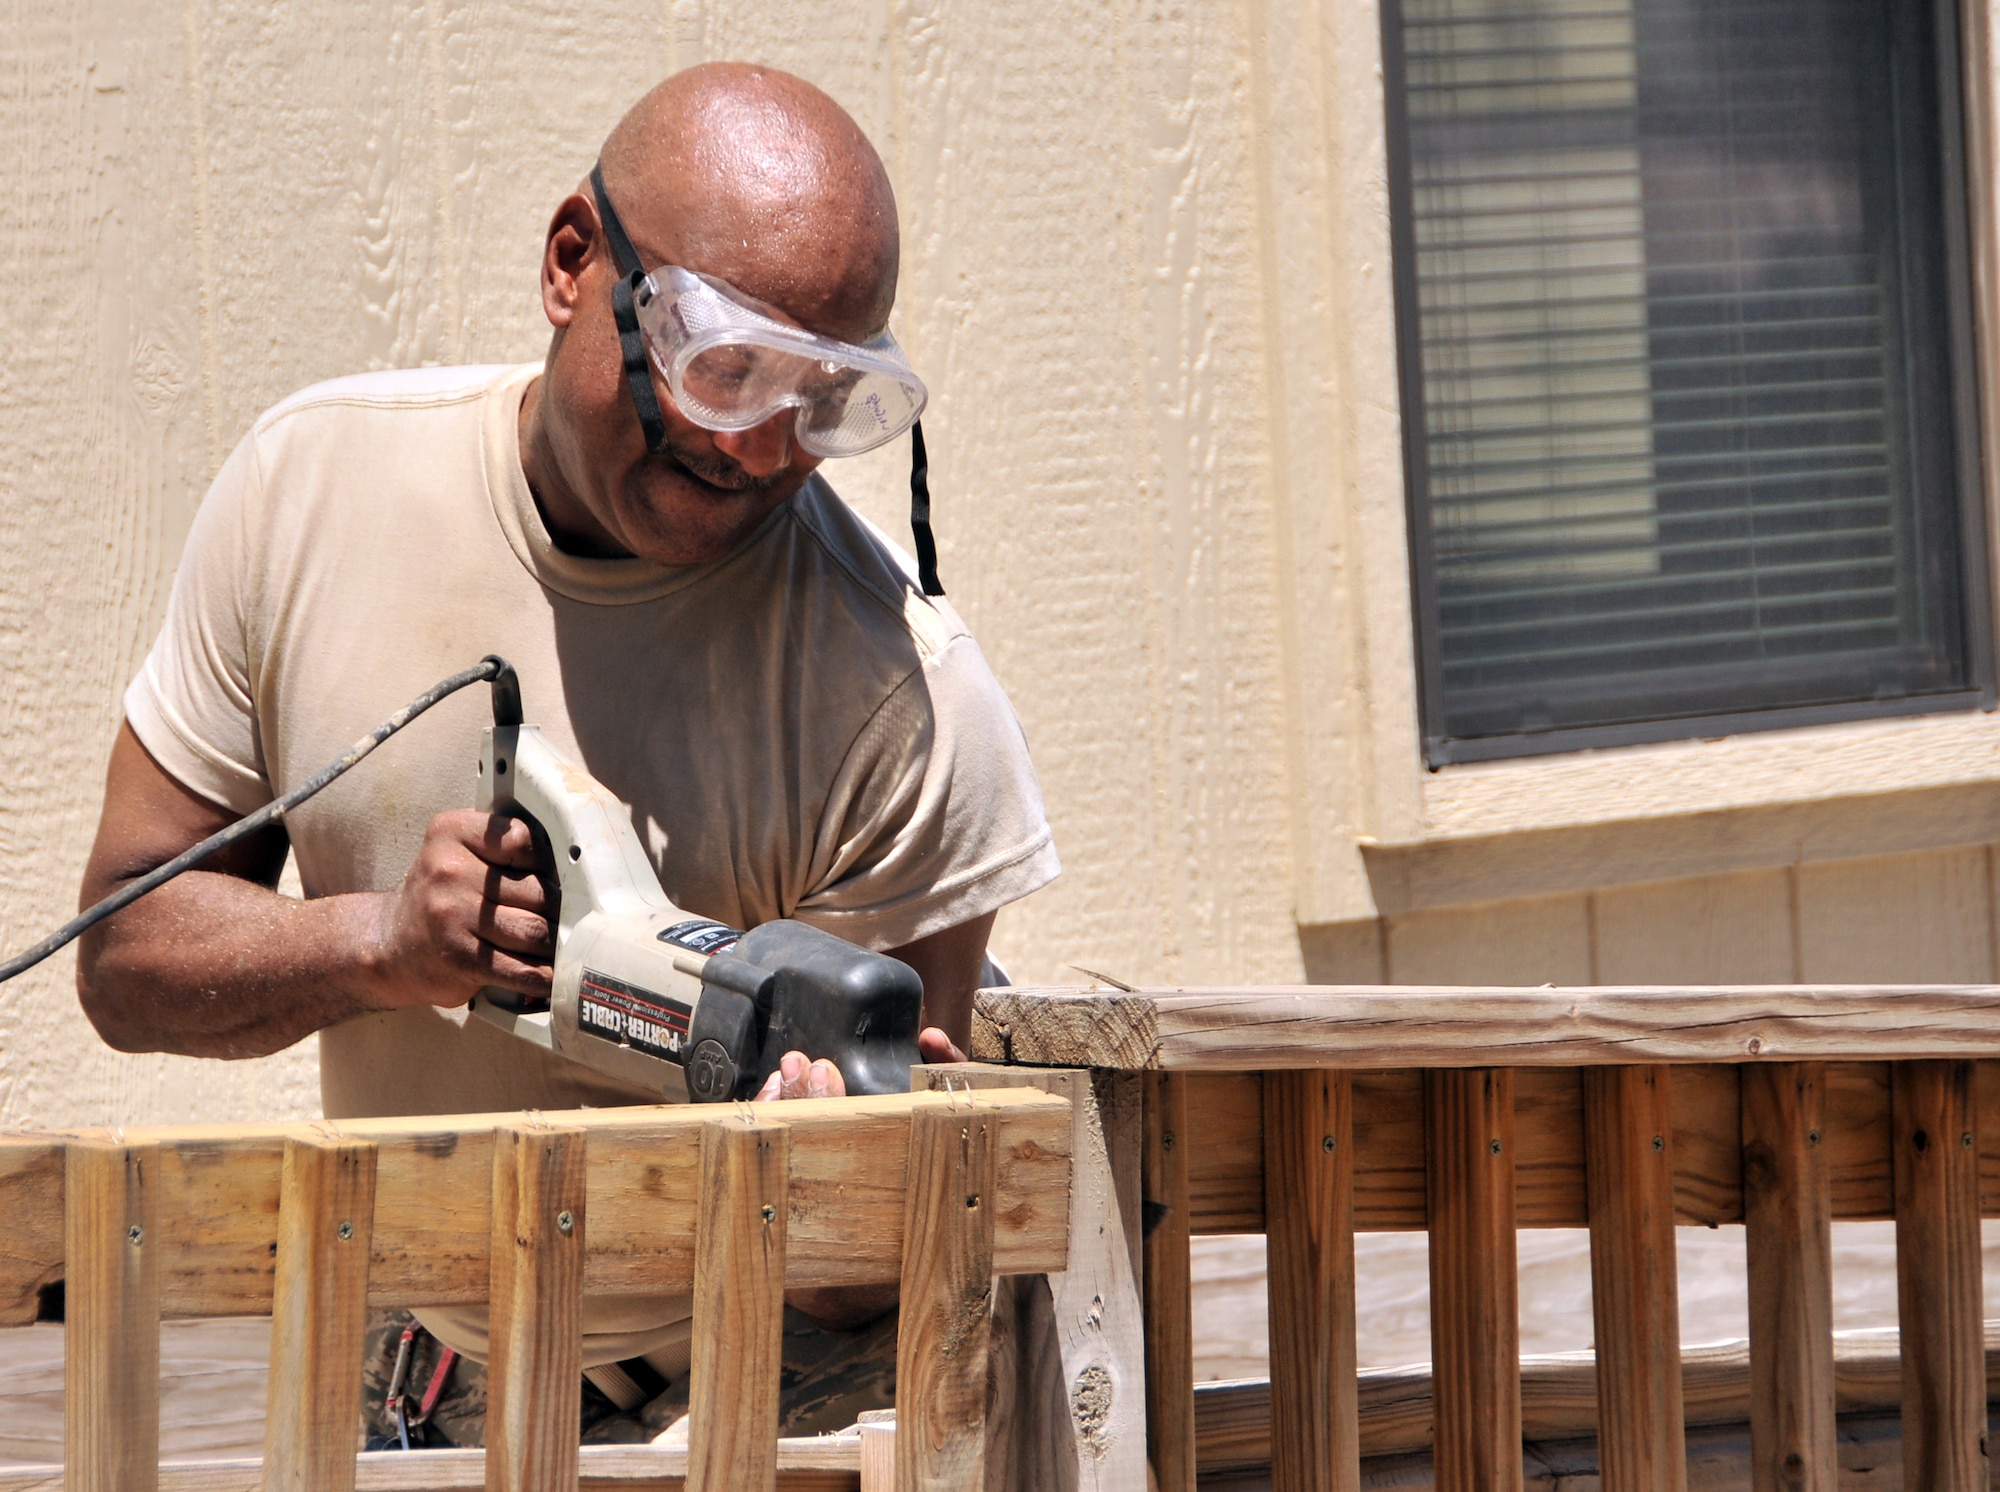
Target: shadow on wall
1342,953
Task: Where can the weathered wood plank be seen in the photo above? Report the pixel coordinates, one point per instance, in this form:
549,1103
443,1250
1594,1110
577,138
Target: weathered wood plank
220,1185
878,1456
739,1307
31,1245
942,1341
1559,1398
1635,1294
1169,1286
820,1463
1788,1212
326,1219
1309,1206
1429,1027
1475,1285
1938,1285
1076,1394
1226,1163
539,1227
111,1333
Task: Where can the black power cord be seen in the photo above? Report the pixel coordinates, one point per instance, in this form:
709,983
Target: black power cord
506,711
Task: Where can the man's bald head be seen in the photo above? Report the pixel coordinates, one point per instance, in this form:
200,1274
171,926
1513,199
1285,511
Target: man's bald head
744,174
757,178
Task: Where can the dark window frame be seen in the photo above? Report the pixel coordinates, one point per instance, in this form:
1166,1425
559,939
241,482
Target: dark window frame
1976,558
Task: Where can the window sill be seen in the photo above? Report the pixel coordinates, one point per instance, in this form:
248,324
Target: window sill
1593,819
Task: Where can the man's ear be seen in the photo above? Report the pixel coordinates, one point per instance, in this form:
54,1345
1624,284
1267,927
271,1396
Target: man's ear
574,242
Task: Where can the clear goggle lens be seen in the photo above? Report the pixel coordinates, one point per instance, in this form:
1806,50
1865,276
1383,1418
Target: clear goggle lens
729,367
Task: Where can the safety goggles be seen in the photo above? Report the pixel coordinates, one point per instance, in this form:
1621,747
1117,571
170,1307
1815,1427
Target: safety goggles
730,367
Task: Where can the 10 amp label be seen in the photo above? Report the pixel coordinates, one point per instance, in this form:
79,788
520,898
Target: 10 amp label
612,1010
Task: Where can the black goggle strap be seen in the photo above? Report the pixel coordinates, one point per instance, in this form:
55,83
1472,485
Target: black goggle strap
631,341
920,513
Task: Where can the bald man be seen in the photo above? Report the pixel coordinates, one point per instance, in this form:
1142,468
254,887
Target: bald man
696,616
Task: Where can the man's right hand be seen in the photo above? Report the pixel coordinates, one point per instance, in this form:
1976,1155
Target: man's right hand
474,910
216,964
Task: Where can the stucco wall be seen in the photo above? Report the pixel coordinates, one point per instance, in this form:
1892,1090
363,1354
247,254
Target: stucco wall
1146,277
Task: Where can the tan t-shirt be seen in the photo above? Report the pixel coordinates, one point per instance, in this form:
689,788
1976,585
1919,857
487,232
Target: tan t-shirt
799,732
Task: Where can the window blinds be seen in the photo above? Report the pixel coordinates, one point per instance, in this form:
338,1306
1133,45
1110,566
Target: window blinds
1686,430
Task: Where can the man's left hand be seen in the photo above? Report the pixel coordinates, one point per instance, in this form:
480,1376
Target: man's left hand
799,1076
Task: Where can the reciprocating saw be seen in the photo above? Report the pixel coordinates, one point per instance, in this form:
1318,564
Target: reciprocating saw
652,995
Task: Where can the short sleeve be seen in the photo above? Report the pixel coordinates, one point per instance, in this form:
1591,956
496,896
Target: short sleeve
936,817
191,705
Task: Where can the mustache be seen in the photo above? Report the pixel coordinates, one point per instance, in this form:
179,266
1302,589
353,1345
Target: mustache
720,471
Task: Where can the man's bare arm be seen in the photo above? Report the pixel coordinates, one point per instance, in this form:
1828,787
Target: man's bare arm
217,964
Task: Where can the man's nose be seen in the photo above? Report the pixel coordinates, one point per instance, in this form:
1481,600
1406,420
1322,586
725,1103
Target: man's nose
762,450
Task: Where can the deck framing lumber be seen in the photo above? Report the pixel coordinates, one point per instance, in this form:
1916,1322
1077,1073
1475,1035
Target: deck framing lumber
1415,1026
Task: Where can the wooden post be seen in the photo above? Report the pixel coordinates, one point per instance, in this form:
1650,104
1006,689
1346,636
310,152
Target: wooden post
1939,1302
111,1331
1635,1289
326,1218
1788,1206
1071,1413
941,1345
739,1307
878,1455
1475,1282
1169,1287
1309,1225
535,1373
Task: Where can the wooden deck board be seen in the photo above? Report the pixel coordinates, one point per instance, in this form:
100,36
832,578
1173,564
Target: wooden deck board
1414,1026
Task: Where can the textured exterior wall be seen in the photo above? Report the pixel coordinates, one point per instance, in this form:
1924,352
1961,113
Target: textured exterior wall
1147,278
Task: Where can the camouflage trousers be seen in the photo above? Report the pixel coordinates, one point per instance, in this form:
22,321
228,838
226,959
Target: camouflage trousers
828,1379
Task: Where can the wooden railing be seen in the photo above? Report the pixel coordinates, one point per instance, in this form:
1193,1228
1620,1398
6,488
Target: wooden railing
311,1224
1309,1114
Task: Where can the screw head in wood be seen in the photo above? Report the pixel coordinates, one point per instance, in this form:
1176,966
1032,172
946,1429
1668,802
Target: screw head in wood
1494,1147
1812,1137
1166,1139
1659,1142
565,1222
1328,1144
346,1231
770,1213
972,1201
1965,1141
135,1235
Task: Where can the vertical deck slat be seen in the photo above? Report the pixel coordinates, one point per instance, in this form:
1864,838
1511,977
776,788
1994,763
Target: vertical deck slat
1309,1226
1938,1286
1788,1209
739,1307
535,1371
111,1332
1169,1287
1475,1284
326,1216
942,1342
1635,1287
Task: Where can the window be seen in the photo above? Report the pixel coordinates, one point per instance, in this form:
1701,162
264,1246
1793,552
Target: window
1687,381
